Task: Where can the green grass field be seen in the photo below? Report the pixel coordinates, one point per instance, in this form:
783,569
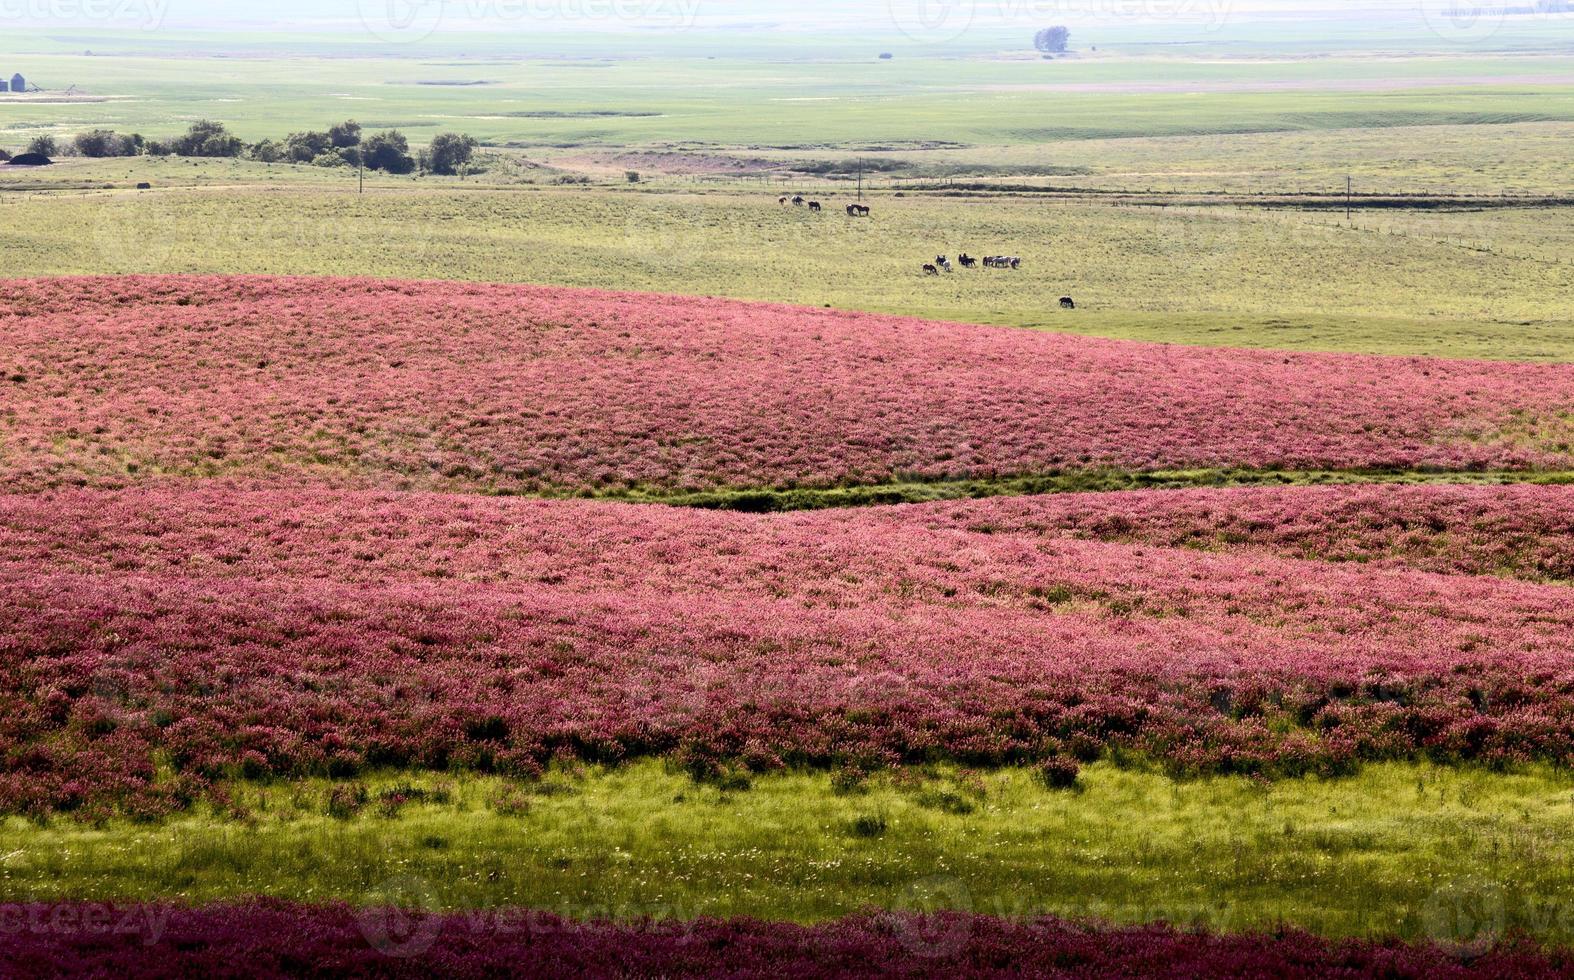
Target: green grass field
1388,852
1496,284
722,89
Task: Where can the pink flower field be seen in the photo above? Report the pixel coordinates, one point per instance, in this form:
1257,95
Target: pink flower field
276,940
311,631
109,382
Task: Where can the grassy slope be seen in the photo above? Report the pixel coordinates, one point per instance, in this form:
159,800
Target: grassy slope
1393,851
1395,284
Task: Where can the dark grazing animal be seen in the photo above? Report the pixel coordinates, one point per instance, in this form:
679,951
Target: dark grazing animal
798,200
1067,303
930,270
862,210
943,262
967,261
814,205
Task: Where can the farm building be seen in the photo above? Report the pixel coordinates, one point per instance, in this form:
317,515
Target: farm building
18,83
5,86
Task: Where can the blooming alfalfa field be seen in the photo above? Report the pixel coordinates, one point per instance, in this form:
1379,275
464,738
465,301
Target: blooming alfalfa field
296,632
274,939
270,558
112,382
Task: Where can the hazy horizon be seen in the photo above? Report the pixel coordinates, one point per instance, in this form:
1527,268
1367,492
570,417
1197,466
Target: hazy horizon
455,16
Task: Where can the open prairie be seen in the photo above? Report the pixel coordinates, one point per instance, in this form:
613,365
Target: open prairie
1480,281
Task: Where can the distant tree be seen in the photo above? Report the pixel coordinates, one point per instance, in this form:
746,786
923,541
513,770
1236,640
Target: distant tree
1053,40
160,148
104,143
330,159
306,147
632,176
450,153
390,152
346,134
267,151
207,138
44,146
4,156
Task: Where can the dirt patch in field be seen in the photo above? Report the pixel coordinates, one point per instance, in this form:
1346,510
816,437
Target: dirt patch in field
677,164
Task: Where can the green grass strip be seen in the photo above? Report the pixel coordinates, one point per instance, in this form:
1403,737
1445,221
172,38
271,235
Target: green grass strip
912,491
1408,849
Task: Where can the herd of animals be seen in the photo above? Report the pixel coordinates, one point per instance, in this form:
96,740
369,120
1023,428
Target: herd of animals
941,262
853,210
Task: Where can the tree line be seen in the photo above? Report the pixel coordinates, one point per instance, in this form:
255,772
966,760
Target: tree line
343,145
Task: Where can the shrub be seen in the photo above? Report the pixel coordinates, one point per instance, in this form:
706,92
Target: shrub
345,135
207,138
1059,772
389,152
450,153
99,143
267,151
345,800
306,147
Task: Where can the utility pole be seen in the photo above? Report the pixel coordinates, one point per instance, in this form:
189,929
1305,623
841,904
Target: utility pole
1349,206
860,184
361,156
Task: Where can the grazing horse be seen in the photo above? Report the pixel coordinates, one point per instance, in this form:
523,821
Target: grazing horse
991,261
967,261
862,210
930,270
1067,303
783,200
814,205
852,210
943,262
798,201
